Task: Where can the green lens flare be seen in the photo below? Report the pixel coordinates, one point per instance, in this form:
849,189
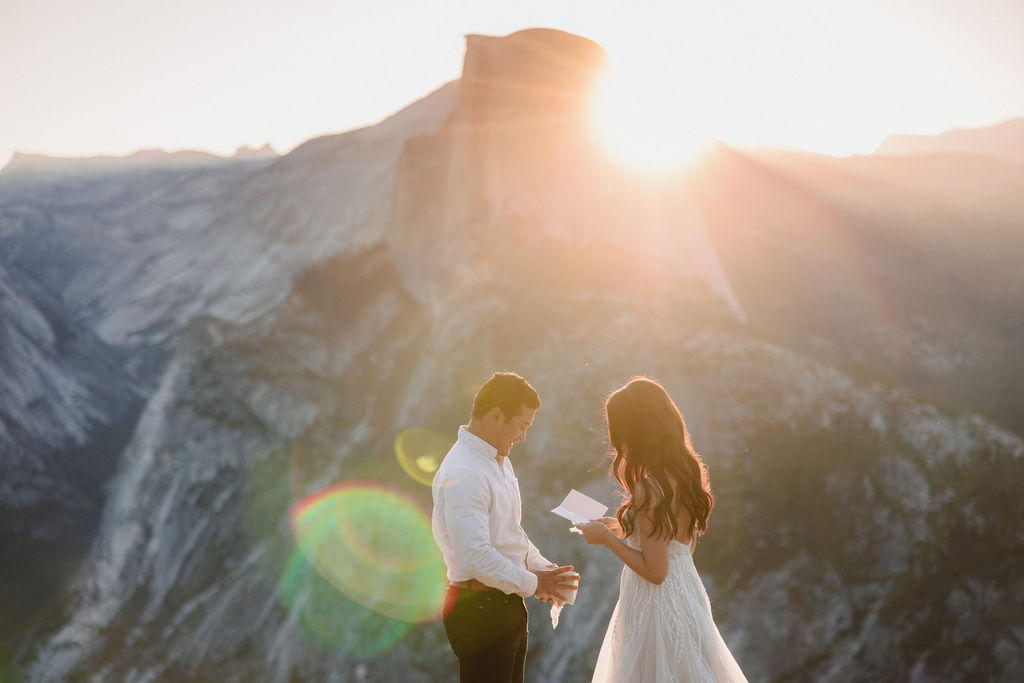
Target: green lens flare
330,620
373,546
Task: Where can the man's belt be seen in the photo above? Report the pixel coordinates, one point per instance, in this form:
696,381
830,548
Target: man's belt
473,585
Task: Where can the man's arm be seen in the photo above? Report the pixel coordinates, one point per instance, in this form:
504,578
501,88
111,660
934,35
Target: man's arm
465,506
534,560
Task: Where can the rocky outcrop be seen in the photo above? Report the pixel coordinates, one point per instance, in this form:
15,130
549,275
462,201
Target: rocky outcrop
515,171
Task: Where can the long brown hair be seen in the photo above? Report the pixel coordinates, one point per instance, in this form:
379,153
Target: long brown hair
649,437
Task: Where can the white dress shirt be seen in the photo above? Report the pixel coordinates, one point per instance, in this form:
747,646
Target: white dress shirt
477,519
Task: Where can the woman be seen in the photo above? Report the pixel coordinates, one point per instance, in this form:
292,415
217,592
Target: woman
661,629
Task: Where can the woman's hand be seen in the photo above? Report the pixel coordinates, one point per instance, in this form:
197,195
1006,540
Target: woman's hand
613,525
596,532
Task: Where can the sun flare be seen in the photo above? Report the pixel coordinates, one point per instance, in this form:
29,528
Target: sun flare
649,120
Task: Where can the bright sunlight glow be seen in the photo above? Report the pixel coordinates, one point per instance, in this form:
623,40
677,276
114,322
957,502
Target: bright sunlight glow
649,121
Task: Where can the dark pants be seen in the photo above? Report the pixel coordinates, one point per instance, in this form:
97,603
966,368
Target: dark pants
488,633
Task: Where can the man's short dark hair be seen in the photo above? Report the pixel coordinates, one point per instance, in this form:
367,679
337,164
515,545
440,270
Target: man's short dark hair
508,391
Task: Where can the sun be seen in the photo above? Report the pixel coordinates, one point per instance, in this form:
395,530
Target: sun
648,119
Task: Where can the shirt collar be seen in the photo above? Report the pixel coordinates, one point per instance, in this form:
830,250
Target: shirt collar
477,445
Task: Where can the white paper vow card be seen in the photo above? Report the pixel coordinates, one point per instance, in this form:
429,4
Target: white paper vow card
579,507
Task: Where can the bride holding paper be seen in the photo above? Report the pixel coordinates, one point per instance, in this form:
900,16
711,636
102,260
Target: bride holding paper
661,629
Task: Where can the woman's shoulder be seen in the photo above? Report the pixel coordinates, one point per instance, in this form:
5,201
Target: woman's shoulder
649,493
646,488
649,486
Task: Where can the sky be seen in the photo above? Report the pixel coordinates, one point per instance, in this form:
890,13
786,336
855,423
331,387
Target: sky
84,78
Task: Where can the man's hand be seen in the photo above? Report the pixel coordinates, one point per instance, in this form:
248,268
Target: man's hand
555,584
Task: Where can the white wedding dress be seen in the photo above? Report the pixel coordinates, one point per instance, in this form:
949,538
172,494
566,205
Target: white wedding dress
664,633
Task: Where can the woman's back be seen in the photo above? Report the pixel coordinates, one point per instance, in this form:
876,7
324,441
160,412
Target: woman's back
682,516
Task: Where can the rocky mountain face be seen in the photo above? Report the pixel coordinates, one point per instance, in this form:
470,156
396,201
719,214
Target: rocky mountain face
66,410
115,264
833,338
901,270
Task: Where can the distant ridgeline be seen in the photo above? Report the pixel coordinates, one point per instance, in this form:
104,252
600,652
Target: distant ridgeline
1001,141
30,164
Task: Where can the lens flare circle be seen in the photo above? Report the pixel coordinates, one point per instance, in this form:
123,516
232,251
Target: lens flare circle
420,451
375,547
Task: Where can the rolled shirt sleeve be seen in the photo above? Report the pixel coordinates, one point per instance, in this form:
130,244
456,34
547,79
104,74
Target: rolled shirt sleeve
534,560
465,506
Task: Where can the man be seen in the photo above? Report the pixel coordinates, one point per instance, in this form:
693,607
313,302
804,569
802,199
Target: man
492,565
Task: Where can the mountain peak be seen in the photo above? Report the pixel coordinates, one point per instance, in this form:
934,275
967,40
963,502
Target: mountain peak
247,152
532,69
1003,140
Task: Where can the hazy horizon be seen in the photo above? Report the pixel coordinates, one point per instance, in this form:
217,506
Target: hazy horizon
283,152
126,76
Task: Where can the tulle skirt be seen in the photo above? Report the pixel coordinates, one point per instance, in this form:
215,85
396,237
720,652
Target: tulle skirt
665,633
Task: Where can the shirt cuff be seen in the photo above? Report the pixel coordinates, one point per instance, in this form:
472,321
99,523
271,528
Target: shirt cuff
538,562
528,585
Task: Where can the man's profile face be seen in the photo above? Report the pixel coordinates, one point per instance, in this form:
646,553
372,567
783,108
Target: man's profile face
509,432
